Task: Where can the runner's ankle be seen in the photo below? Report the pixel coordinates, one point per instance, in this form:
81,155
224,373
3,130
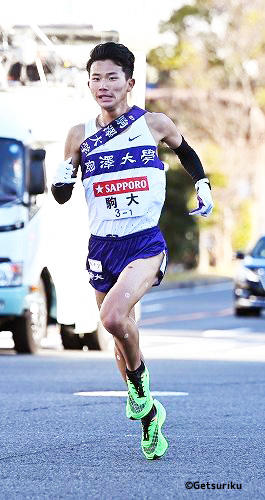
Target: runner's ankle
135,374
150,416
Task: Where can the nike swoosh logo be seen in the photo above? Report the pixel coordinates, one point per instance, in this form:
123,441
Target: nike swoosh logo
135,407
132,139
152,446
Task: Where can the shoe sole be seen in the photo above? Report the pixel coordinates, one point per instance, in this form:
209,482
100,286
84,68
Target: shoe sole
161,419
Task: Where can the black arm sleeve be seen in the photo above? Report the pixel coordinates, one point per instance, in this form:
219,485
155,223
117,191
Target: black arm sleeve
190,161
62,192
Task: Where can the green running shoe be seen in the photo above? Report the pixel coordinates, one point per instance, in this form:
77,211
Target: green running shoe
139,401
153,443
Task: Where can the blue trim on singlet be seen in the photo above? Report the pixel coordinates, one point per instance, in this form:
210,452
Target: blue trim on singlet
113,129
120,160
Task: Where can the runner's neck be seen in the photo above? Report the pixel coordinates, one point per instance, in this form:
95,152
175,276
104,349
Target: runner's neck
107,117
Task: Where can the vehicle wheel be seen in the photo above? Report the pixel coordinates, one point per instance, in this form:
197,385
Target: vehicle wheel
99,340
241,311
23,335
70,340
39,314
247,311
28,330
255,311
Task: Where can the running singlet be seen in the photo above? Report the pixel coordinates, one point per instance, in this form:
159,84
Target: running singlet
124,179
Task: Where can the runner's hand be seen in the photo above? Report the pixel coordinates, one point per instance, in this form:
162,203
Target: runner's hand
64,172
204,198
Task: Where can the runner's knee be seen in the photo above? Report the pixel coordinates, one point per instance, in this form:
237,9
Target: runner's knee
114,322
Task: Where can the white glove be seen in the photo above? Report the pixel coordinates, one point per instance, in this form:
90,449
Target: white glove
204,198
64,172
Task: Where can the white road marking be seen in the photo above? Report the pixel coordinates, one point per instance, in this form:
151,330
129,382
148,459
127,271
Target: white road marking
153,308
225,333
168,393
185,317
124,394
182,292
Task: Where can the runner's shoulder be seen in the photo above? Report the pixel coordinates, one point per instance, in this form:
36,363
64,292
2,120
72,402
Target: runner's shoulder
158,121
76,134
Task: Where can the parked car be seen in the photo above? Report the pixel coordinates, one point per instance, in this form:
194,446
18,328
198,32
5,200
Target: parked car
249,289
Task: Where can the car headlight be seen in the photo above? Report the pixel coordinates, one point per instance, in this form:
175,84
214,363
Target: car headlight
11,273
249,275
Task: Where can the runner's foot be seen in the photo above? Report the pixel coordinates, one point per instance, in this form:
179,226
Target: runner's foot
154,444
139,401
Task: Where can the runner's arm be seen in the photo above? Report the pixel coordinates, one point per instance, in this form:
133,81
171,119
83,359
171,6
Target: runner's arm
65,176
188,157
190,161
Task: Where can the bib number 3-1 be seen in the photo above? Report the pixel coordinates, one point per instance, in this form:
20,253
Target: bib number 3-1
121,206
123,213
122,198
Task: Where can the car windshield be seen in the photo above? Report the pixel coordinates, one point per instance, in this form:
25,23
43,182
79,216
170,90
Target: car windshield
11,170
259,250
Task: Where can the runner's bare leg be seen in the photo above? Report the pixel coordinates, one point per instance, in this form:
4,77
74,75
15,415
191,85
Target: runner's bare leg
115,310
118,354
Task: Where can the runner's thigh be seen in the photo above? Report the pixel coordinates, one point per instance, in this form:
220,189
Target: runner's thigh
133,282
100,296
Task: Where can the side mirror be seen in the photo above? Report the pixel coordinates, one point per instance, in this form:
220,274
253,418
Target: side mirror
240,255
37,175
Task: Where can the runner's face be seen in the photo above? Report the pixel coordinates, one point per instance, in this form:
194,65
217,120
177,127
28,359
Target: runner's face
108,84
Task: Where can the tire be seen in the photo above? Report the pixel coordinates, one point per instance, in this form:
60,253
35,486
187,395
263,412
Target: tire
244,311
28,330
70,340
99,340
39,314
22,334
256,311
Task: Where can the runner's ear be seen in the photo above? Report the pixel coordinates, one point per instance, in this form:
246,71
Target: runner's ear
131,83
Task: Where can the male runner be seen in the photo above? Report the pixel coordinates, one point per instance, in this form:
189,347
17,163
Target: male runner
124,182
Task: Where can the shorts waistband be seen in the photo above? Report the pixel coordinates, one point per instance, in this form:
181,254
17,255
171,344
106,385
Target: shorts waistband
114,237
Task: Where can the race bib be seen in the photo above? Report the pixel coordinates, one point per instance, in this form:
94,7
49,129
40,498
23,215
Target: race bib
95,265
121,198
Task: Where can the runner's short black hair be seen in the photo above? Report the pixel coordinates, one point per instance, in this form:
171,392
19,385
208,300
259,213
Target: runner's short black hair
117,53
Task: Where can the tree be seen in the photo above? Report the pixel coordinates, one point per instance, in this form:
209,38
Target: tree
210,83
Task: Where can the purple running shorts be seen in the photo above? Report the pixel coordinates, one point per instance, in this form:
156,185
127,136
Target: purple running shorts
109,255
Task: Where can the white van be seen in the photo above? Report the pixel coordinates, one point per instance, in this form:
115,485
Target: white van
25,287
42,264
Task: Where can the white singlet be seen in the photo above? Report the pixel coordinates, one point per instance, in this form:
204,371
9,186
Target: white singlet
124,181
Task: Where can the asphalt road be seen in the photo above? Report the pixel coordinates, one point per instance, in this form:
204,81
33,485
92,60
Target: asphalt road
199,323
56,443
